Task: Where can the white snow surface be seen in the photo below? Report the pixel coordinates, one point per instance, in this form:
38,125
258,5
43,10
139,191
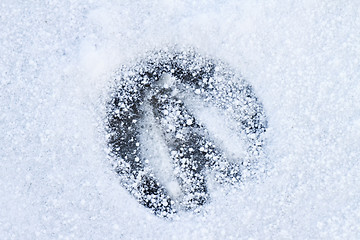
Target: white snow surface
57,57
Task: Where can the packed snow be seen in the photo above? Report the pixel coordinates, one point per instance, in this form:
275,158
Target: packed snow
224,133
58,62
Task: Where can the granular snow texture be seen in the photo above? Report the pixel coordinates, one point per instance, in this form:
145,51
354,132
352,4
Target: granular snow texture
57,59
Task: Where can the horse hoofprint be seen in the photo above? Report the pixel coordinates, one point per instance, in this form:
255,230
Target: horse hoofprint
174,117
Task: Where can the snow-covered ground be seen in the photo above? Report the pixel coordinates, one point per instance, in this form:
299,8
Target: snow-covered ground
302,58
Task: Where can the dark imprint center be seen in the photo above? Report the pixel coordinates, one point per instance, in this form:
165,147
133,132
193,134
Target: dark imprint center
208,118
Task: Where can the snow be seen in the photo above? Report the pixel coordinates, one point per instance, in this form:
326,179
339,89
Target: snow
57,59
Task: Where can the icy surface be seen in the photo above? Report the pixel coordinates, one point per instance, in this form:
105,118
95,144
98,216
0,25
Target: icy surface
143,108
302,58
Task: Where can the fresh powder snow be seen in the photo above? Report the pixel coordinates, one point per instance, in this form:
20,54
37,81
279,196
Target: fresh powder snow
60,58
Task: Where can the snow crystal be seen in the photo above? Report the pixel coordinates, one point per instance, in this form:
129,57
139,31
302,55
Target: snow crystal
58,59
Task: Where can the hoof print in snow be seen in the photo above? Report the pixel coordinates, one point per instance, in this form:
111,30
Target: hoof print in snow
176,119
